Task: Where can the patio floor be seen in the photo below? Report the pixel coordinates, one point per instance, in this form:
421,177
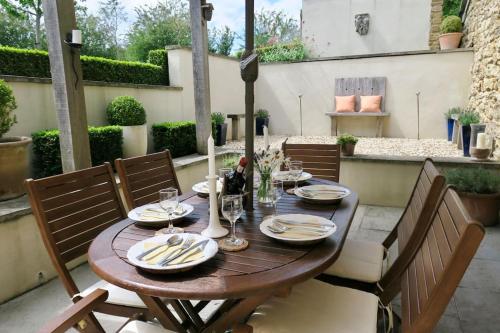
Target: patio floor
474,308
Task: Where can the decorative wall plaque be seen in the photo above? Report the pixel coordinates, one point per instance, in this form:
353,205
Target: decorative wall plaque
362,23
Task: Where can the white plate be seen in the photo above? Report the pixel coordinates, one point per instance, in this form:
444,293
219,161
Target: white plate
209,251
157,219
324,198
285,177
202,188
299,218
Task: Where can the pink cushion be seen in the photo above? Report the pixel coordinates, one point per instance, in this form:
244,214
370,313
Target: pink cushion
345,103
370,103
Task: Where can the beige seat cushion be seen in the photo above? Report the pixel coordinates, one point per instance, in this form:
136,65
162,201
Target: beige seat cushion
117,295
359,260
137,326
317,307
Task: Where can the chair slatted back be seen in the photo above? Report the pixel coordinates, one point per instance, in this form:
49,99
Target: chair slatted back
429,281
320,160
71,210
142,177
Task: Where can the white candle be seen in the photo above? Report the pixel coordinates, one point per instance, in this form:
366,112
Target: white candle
266,137
481,141
211,156
76,37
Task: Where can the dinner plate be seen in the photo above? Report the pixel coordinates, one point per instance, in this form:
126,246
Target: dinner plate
322,194
301,219
286,178
209,251
151,215
202,187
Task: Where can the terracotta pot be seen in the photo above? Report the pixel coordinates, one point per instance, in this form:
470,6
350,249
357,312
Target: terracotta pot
450,41
483,208
348,149
14,168
135,140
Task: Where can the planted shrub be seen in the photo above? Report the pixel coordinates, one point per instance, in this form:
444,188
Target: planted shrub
35,63
178,137
126,111
467,118
262,113
219,118
450,24
7,107
474,180
105,146
346,139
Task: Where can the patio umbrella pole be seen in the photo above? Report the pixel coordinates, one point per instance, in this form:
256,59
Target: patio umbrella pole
249,73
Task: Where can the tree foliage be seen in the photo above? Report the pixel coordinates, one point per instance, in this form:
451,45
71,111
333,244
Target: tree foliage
16,31
112,14
29,10
221,40
275,26
451,7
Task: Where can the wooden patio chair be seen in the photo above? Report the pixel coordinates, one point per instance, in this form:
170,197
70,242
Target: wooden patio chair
71,210
77,316
428,282
142,177
363,261
320,160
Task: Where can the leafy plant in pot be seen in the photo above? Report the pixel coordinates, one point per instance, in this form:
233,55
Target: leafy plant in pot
127,112
347,143
221,128
261,120
451,116
451,32
13,150
479,190
466,119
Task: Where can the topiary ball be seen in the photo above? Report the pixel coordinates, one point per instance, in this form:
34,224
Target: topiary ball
126,111
450,24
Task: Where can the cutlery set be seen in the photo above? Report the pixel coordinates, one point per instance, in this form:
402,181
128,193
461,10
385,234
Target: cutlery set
187,250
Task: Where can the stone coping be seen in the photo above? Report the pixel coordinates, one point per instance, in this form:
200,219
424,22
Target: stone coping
14,208
29,79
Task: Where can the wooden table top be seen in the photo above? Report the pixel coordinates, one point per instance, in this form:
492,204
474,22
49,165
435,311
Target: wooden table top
265,265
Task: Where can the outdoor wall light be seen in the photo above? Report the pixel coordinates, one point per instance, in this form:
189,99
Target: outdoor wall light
207,10
74,39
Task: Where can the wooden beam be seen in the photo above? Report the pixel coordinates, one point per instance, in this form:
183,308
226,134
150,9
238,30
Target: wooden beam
67,83
199,39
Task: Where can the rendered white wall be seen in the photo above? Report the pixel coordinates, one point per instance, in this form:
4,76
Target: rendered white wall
395,25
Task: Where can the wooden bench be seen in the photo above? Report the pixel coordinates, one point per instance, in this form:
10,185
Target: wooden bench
360,86
235,124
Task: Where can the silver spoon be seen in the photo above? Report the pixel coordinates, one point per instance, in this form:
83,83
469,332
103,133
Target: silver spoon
172,241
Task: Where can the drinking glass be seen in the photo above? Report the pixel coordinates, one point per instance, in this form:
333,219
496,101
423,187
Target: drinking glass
295,169
276,194
169,201
232,208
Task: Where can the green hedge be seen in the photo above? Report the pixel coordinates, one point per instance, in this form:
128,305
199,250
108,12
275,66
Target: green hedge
159,58
35,63
178,137
105,146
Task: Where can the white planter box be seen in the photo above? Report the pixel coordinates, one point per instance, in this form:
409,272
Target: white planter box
135,140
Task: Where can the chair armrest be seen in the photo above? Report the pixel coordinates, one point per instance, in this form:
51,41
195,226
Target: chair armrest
75,313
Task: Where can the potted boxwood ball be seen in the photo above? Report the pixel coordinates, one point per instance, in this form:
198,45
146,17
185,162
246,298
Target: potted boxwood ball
479,190
13,150
221,128
127,112
451,32
451,116
261,120
466,119
347,143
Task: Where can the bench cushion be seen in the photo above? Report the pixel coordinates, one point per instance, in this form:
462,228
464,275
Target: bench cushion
370,103
315,306
360,261
345,103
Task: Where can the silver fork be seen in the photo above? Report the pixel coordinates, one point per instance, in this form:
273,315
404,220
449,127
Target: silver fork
320,229
189,241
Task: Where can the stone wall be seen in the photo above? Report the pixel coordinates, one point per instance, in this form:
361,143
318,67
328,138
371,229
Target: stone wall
482,32
436,18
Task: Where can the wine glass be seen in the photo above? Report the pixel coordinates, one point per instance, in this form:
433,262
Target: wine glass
295,169
169,201
232,208
276,194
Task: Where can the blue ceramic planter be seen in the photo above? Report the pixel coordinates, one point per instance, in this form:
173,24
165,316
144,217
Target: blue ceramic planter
466,139
451,123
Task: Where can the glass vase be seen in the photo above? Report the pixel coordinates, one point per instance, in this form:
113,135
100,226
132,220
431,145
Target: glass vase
264,190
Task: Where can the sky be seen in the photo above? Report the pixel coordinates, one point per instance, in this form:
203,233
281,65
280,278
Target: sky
227,12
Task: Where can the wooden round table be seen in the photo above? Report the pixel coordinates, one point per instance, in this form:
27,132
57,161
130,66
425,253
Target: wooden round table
247,278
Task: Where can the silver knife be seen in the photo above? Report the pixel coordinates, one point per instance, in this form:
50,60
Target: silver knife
203,243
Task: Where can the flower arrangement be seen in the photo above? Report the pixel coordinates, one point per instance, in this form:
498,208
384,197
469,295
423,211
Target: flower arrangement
267,161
